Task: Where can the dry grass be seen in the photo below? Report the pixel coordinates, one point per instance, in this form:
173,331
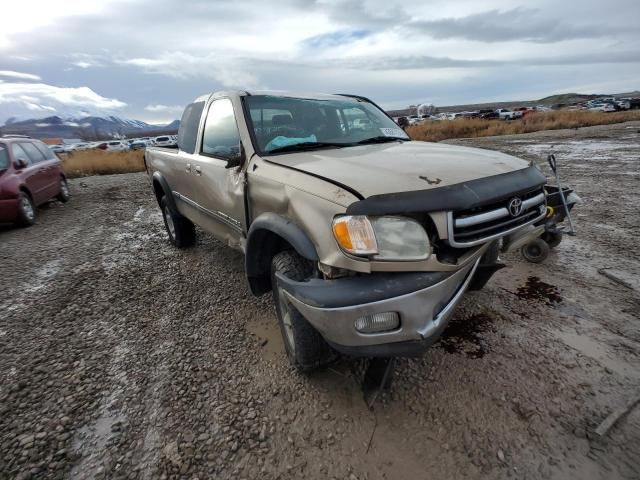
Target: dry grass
97,162
476,127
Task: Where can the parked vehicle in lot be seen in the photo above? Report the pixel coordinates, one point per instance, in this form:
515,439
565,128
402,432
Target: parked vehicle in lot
30,175
164,141
488,114
524,111
366,239
506,114
57,148
76,147
116,146
138,144
623,104
602,107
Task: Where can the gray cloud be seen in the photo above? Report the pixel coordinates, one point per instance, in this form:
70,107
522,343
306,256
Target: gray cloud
18,75
525,24
164,53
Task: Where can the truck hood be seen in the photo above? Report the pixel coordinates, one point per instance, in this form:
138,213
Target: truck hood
400,167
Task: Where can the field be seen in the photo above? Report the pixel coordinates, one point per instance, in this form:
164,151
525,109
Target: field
435,131
122,357
97,162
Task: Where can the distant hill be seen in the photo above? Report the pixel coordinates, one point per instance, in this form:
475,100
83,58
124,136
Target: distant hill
87,128
563,98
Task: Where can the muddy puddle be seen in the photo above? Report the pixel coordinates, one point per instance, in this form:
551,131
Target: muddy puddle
267,331
536,289
464,335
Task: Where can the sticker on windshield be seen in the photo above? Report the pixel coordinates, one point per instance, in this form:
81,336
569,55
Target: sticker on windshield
393,132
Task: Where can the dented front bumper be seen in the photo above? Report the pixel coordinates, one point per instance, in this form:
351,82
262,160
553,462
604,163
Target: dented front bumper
424,302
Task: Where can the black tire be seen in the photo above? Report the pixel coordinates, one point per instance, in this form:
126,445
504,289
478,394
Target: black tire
182,232
305,347
488,259
535,251
65,193
26,210
553,238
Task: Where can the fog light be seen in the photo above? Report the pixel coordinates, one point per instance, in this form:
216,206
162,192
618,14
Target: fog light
378,322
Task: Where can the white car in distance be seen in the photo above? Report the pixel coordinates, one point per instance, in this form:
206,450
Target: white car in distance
164,141
116,146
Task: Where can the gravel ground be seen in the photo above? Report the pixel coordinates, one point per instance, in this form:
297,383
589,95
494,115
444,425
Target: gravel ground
121,357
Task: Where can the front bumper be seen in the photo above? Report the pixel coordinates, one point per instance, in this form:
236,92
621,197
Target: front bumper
424,302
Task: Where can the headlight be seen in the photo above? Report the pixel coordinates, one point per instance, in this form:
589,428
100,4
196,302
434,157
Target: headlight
354,234
383,238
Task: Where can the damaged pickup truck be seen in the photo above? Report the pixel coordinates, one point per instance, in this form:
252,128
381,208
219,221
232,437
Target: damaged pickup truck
367,239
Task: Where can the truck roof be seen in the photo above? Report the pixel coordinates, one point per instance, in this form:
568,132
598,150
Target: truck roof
275,93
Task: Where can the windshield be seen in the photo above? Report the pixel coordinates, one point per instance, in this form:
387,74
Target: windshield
290,124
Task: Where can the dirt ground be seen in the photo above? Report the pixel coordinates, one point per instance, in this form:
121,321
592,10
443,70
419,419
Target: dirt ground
121,357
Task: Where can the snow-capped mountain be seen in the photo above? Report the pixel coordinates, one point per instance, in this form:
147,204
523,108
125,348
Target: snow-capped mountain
89,127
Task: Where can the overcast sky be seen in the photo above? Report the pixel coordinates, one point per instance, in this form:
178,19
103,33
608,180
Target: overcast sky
146,59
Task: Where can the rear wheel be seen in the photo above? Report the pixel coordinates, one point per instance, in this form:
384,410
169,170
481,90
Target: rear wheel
64,194
182,232
305,347
26,210
536,251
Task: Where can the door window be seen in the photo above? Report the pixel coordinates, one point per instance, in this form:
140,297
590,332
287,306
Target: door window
46,151
221,137
19,153
4,158
34,154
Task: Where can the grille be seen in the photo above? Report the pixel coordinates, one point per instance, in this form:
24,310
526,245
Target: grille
478,225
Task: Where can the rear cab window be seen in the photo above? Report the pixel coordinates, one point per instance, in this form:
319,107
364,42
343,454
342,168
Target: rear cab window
188,130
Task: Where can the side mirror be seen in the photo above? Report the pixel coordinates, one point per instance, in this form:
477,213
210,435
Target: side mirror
21,163
237,160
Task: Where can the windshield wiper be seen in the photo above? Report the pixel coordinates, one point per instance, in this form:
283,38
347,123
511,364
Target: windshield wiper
381,139
306,146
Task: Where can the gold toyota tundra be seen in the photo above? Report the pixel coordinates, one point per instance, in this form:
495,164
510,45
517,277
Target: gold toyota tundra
366,238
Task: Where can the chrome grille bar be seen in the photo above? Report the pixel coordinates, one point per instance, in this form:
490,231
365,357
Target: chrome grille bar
495,214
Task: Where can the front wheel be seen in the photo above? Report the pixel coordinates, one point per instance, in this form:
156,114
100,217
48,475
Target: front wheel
26,210
305,347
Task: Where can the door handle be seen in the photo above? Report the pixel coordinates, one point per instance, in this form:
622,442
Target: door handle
198,170
188,168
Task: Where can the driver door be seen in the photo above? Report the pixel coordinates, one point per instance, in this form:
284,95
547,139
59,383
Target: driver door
218,190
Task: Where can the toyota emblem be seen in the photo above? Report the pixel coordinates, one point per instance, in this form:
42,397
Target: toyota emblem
515,206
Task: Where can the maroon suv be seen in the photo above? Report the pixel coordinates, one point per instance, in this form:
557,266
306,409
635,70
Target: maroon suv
30,175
